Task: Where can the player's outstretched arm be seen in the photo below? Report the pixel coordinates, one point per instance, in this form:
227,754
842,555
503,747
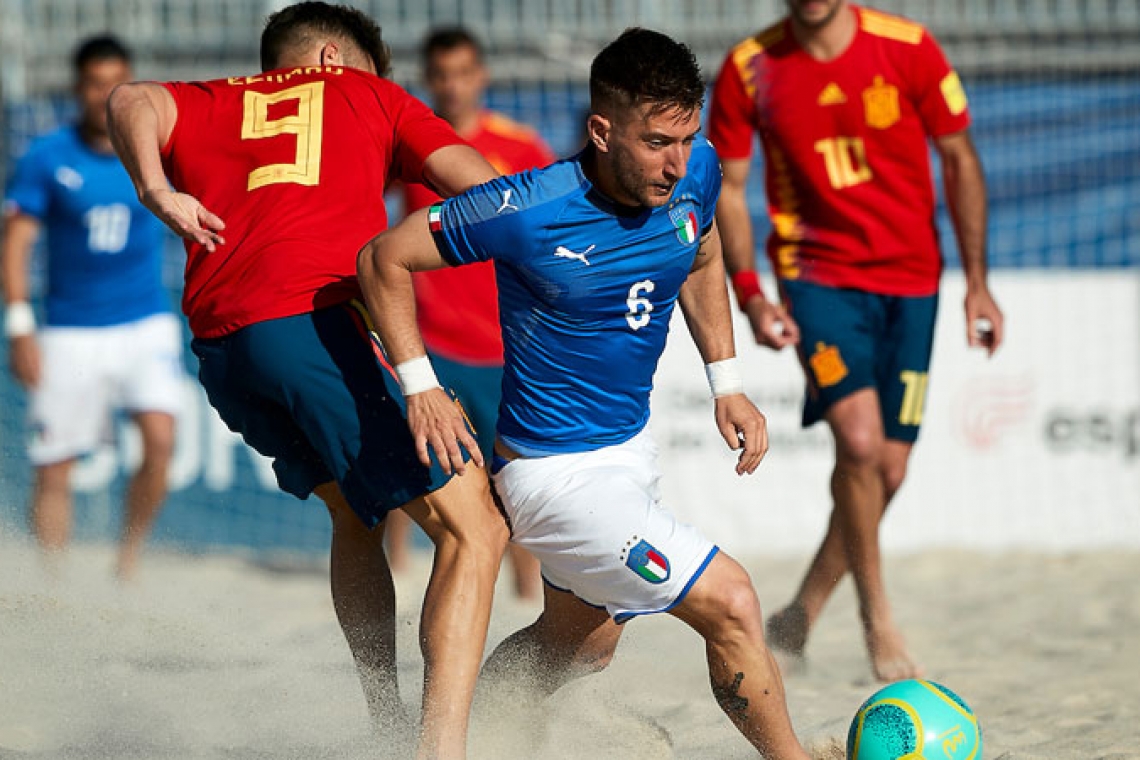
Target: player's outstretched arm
384,267
455,168
704,302
965,187
771,324
141,117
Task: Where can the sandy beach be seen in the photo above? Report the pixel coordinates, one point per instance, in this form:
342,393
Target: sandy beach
223,657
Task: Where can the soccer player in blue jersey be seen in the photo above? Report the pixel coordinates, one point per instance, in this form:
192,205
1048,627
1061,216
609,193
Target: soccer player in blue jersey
591,255
109,340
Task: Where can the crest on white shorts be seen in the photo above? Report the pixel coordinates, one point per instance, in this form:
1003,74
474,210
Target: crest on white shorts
647,562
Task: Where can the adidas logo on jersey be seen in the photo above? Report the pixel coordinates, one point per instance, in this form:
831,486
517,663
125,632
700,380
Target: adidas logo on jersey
831,95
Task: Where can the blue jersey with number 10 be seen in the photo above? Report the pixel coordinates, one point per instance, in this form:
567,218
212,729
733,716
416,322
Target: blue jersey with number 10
586,290
104,262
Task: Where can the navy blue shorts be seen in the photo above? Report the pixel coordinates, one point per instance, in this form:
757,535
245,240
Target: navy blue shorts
851,340
311,393
479,390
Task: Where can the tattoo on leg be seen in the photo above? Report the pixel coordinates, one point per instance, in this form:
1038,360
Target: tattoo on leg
729,699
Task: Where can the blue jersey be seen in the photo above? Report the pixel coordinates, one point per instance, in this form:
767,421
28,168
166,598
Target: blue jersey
586,290
104,264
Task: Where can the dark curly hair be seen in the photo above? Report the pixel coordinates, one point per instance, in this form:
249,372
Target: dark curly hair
294,27
643,66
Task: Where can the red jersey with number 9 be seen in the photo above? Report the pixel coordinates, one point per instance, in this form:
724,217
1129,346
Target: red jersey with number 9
847,164
295,162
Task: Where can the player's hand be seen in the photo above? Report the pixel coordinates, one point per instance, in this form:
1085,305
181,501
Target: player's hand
439,425
771,324
985,325
743,427
25,361
186,217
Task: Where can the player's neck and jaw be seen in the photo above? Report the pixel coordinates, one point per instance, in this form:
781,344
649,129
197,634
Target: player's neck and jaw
636,156
824,28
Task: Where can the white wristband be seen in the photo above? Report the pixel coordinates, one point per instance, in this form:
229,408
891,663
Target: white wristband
416,376
19,319
724,378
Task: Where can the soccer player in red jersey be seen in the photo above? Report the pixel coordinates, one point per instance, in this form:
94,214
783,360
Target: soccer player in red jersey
844,100
294,161
458,310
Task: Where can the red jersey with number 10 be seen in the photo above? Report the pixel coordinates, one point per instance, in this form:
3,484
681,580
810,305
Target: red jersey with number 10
295,162
847,166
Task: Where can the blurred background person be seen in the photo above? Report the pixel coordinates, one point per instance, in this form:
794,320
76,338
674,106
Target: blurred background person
458,309
109,341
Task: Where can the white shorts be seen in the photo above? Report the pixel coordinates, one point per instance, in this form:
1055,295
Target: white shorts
89,373
595,522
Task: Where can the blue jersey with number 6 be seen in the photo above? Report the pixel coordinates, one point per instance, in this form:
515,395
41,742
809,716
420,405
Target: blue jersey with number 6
586,290
104,264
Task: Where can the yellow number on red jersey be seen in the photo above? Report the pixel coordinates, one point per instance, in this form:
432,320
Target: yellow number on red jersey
307,124
845,159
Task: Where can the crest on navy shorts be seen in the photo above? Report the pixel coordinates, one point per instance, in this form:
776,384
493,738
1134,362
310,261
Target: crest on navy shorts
685,224
647,562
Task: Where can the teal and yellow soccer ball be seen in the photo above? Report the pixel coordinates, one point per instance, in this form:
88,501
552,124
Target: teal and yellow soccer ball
914,720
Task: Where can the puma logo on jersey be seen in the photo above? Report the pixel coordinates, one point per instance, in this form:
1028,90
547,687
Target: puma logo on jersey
506,204
566,253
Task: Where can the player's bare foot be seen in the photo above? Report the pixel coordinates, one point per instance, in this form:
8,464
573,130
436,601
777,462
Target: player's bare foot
787,630
126,568
890,659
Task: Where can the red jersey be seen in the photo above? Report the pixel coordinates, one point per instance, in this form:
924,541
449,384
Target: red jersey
458,308
295,162
847,165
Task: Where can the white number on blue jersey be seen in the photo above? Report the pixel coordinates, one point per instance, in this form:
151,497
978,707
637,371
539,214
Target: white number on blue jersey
639,306
108,228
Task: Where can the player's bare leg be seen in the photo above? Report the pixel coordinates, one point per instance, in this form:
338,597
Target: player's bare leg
570,639
365,603
470,537
147,489
527,573
723,608
51,510
788,629
397,539
860,500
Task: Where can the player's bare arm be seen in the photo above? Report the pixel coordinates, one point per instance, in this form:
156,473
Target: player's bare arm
771,325
384,266
455,168
20,233
708,315
141,117
965,188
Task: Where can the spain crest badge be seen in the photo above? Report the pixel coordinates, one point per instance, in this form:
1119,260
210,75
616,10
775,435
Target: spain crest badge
881,104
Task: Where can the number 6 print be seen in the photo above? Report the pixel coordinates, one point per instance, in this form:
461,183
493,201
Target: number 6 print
639,306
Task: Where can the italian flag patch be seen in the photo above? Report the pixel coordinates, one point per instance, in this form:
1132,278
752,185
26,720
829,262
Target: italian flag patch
435,217
684,218
647,562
